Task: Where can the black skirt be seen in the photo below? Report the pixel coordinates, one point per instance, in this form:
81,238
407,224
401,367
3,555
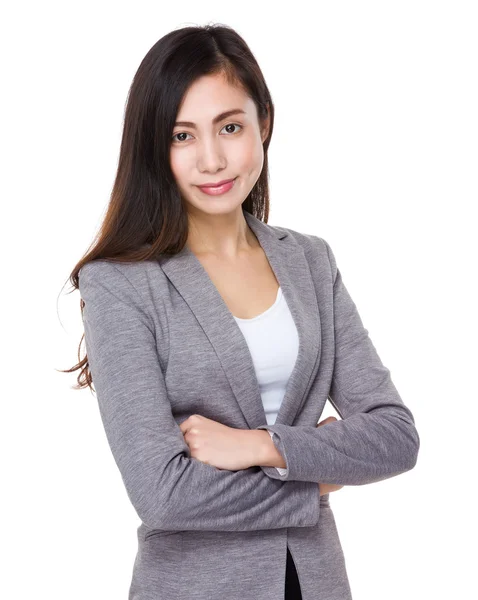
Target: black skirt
292,586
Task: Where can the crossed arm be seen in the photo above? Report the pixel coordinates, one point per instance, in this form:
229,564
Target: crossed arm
246,448
230,448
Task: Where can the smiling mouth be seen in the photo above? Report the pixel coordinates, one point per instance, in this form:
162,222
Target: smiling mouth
214,185
217,190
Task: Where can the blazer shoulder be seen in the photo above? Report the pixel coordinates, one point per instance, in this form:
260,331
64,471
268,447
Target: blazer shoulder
123,274
97,273
315,247
104,272
106,281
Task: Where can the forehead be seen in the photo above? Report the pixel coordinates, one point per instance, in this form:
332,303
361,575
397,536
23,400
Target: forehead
210,95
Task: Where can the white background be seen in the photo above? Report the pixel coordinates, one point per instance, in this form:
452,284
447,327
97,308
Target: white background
375,149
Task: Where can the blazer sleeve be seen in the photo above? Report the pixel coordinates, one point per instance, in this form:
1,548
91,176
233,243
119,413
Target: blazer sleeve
168,489
376,437
279,469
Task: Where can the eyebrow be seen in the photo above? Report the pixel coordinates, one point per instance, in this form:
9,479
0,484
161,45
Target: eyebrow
217,119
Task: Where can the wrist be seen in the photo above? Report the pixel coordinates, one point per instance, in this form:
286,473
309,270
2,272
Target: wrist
265,451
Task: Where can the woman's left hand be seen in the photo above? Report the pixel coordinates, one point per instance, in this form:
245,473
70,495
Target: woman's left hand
216,444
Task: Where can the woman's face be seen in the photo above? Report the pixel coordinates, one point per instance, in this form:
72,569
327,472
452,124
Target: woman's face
204,151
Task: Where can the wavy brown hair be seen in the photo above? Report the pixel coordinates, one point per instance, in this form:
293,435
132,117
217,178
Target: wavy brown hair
146,216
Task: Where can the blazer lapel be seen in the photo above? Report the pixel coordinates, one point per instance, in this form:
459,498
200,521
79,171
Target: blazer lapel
289,263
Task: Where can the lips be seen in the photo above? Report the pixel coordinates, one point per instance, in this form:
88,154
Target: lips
216,184
217,189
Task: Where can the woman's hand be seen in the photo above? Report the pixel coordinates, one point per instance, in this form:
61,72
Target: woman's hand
216,444
325,488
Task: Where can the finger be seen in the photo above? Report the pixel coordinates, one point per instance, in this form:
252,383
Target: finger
327,420
185,425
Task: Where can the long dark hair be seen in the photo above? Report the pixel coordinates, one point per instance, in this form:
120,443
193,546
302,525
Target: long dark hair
146,216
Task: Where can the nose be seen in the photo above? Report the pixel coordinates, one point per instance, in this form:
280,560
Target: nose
211,157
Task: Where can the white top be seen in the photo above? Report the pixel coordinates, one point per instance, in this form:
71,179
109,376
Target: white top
273,342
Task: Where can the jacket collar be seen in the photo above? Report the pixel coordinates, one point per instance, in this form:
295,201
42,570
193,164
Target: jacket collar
289,263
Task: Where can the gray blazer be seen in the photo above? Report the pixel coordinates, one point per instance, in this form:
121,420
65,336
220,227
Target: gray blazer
162,345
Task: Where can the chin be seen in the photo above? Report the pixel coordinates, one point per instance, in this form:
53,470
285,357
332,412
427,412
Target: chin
216,206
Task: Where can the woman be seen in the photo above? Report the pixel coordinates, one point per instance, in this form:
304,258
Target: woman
214,340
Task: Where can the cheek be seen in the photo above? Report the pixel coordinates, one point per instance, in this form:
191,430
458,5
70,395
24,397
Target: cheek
175,166
251,157
179,168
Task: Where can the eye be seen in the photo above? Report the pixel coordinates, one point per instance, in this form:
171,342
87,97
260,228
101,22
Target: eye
233,125
184,133
180,133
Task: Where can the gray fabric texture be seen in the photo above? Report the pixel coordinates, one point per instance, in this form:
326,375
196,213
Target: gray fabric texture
162,345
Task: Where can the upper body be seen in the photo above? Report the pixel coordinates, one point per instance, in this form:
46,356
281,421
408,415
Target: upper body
163,344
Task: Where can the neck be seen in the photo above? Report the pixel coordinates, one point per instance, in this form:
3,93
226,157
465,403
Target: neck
222,236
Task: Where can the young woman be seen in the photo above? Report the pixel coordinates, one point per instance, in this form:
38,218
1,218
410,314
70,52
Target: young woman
214,340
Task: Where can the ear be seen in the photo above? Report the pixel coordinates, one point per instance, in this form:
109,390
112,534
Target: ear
265,126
